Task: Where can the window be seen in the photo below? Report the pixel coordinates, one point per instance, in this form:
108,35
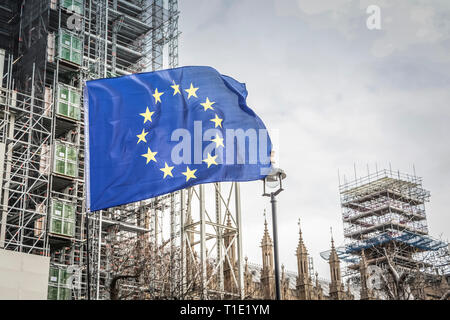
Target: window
66,160
58,288
69,100
70,47
62,218
73,5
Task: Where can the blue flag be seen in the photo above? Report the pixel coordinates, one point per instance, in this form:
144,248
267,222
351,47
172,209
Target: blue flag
154,133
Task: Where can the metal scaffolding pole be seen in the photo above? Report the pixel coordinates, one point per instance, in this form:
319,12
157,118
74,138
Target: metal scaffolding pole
239,235
202,241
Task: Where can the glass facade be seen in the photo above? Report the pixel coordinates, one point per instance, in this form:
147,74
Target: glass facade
73,5
66,159
58,288
69,47
62,218
69,100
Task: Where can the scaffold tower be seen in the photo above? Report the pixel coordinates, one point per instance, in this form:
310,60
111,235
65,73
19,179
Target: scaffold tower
384,215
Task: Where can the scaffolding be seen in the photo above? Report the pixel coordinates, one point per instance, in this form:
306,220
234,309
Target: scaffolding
385,210
51,47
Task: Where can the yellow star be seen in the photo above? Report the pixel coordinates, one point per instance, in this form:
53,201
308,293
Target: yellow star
189,174
207,104
147,115
176,88
218,140
157,95
150,155
217,121
191,91
167,170
211,160
142,136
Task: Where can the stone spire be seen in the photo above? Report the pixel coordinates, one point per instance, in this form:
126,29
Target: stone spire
333,255
301,248
246,271
336,287
266,240
248,279
267,273
319,292
304,285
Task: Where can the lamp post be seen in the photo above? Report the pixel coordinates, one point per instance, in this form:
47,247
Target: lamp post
274,181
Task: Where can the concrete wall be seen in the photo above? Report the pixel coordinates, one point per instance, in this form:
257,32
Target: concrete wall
23,276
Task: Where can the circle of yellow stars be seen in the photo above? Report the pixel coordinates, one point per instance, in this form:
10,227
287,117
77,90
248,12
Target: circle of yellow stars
207,105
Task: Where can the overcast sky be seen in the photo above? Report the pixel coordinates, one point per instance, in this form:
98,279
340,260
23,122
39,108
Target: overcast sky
339,94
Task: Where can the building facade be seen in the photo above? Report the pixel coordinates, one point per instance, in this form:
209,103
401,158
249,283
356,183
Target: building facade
260,280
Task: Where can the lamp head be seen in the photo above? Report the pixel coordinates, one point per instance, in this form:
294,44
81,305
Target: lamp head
274,180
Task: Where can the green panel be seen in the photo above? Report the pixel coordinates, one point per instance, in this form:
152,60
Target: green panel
66,3
69,212
65,54
76,57
63,275
63,109
71,153
76,43
66,39
73,5
53,275
70,47
74,98
60,167
52,293
78,6
74,112
56,226
77,113
71,169
63,93
65,294
60,151
68,229
60,294
57,209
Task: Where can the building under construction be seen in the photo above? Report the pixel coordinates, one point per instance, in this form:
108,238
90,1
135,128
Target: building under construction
385,224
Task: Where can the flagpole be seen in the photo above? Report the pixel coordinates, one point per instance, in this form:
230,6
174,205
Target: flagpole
87,257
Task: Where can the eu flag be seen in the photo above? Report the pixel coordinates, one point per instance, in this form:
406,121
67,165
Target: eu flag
152,133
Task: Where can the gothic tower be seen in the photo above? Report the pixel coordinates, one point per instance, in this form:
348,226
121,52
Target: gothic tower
304,286
336,287
248,281
267,273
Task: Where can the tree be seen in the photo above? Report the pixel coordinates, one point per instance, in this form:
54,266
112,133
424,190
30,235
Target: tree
140,270
394,279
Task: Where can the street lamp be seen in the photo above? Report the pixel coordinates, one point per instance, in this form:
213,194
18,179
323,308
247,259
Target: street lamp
274,181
